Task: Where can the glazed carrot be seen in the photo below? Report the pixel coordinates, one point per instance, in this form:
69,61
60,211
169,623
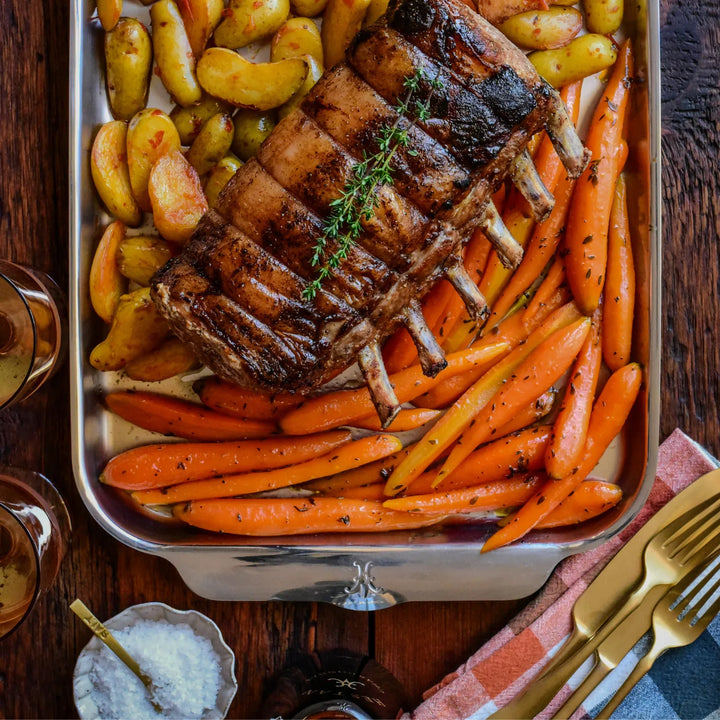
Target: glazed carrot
376,491
532,412
490,496
406,419
534,376
345,457
343,407
170,416
539,252
564,452
590,499
234,400
399,351
609,414
285,516
159,465
619,285
513,330
548,288
449,428
498,460
518,218
586,232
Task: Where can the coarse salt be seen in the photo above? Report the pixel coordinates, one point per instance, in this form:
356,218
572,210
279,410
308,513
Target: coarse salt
184,668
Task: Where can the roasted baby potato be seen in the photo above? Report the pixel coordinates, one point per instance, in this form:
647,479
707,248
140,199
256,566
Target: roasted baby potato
151,134
139,257
341,22
137,328
128,62
212,144
603,16
200,18
583,56
176,196
246,21
109,12
109,168
297,37
106,282
377,9
543,29
262,86
189,120
219,177
171,358
173,54
251,128
308,8
498,11
315,71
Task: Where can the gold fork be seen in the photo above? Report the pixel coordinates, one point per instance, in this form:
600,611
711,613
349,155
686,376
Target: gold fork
678,620
667,558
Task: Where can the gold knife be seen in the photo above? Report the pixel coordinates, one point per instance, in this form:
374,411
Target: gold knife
602,598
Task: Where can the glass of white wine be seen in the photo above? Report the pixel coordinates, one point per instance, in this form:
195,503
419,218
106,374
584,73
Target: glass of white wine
32,331
34,533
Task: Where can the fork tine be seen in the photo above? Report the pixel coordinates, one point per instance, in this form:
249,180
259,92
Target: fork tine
705,536
683,534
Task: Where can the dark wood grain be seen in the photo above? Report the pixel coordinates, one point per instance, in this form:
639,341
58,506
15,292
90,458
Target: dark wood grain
419,643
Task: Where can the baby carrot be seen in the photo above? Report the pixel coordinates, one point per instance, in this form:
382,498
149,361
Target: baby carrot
540,250
170,416
461,414
489,496
297,516
619,285
609,414
498,460
406,419
588,219
345,457
238,401
343,407
548,288
376,491
590,499
542,367
565,449
159,465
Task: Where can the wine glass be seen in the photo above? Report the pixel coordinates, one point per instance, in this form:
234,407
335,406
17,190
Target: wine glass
34,533
32,331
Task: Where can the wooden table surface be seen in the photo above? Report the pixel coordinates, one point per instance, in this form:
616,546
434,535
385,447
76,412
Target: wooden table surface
419,643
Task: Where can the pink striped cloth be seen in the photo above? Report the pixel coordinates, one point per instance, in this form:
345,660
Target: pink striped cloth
509,661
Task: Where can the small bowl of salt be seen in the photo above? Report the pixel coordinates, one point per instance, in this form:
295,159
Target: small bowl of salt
191,667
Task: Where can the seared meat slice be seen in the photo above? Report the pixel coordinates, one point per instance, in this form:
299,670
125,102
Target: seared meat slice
237,291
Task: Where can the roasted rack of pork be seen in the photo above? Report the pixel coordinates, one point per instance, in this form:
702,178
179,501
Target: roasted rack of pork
236,293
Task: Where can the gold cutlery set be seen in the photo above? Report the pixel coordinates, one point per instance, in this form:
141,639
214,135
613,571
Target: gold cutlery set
665,579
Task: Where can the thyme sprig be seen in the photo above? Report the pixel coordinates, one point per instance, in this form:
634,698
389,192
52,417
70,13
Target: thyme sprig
360,196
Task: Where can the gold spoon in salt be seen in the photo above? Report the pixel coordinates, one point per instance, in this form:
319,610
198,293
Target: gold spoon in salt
86,615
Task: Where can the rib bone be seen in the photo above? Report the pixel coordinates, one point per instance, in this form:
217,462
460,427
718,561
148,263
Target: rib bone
565,140
506,246
432,357
532,188
378,382
462,282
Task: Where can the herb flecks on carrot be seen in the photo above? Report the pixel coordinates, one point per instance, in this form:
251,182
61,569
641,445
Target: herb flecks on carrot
243,402
590,499
192,421
345,457
608,417
586,233
154,466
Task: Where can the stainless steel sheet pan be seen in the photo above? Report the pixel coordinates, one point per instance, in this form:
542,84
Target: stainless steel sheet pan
354,571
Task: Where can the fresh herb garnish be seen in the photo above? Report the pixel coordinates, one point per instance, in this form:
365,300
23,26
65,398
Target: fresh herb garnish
360,197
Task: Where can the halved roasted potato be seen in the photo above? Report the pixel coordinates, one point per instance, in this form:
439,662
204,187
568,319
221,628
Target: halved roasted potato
308,8
297,37
109,169
212,144
139,257
246,21
315,71
106,282
543,29
151,134
341,22
171,358
219,177
137,328
200,18
177,198
189,120
262,86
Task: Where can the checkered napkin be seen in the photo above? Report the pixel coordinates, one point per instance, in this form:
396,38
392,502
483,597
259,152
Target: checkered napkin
683,683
